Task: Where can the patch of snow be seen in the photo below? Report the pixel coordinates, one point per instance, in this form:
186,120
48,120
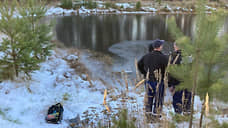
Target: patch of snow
168,7
1,39
84,76
150,9
100,6
178,8
49,85
210,8
197,107
2,36
221,119
1,55
72,58
59,11
84,10
100,2
135,12
198,103
185,9
124,5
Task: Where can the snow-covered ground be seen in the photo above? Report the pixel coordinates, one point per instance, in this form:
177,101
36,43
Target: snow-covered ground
59,11
53,10
101,9
54,82
57,82
124,6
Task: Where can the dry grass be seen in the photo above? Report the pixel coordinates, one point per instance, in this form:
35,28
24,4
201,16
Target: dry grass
104,102
58,44
107,59
78,66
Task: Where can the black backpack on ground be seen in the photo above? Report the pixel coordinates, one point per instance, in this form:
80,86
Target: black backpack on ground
55,114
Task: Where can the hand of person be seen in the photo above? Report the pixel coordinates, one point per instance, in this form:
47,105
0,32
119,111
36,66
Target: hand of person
176,48
172,90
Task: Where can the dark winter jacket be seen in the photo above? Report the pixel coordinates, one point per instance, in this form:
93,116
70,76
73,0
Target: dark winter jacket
173,81
153,61
174,55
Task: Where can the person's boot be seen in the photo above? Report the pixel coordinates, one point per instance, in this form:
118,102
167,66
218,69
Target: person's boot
148,117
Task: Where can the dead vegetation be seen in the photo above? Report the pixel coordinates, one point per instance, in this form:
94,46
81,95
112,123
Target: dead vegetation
77,65
122,98
101,57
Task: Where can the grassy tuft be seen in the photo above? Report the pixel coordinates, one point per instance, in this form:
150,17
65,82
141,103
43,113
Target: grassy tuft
180,118
67,4
138,6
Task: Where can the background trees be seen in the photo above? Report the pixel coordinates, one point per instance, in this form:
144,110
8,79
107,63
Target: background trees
27,41
205,57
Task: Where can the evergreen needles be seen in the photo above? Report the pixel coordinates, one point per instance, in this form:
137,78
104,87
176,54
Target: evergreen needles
27,41
205,57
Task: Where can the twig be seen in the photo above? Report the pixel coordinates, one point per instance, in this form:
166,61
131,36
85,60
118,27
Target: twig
175,60
126,80
89,79
136,70
166,78
139,83
104,102
157,89
183,100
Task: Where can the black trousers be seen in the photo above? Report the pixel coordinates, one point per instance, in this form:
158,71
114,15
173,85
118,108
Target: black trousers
154,99
180,107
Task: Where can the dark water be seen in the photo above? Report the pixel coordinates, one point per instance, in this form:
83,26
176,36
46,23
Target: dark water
99,32
125,36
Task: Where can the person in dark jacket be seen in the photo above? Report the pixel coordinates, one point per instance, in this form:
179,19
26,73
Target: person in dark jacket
151,62
141,64
179,107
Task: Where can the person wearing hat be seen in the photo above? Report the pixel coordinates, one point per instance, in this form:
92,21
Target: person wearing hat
141,64
179,95
151,62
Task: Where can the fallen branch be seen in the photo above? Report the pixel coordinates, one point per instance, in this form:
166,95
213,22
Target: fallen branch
104,102
139,83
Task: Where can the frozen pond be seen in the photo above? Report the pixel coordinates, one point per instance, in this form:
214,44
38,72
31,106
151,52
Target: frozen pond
99,32
124,37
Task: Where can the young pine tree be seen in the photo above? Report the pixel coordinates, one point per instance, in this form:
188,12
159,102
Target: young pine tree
27,41
124,121
205,60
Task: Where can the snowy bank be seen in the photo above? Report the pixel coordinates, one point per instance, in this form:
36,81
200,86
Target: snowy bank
59,11
123,9
54,82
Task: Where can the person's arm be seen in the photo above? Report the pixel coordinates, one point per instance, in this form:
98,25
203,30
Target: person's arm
141,66
164,62
175,54
172,81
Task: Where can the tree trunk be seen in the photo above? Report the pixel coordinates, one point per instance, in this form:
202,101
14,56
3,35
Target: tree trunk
192,109
201,116
14,64
15,67
194,86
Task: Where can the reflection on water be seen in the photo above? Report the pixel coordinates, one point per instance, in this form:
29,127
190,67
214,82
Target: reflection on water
126,36
99,32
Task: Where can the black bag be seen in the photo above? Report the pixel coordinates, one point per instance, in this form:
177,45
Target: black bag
55,114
